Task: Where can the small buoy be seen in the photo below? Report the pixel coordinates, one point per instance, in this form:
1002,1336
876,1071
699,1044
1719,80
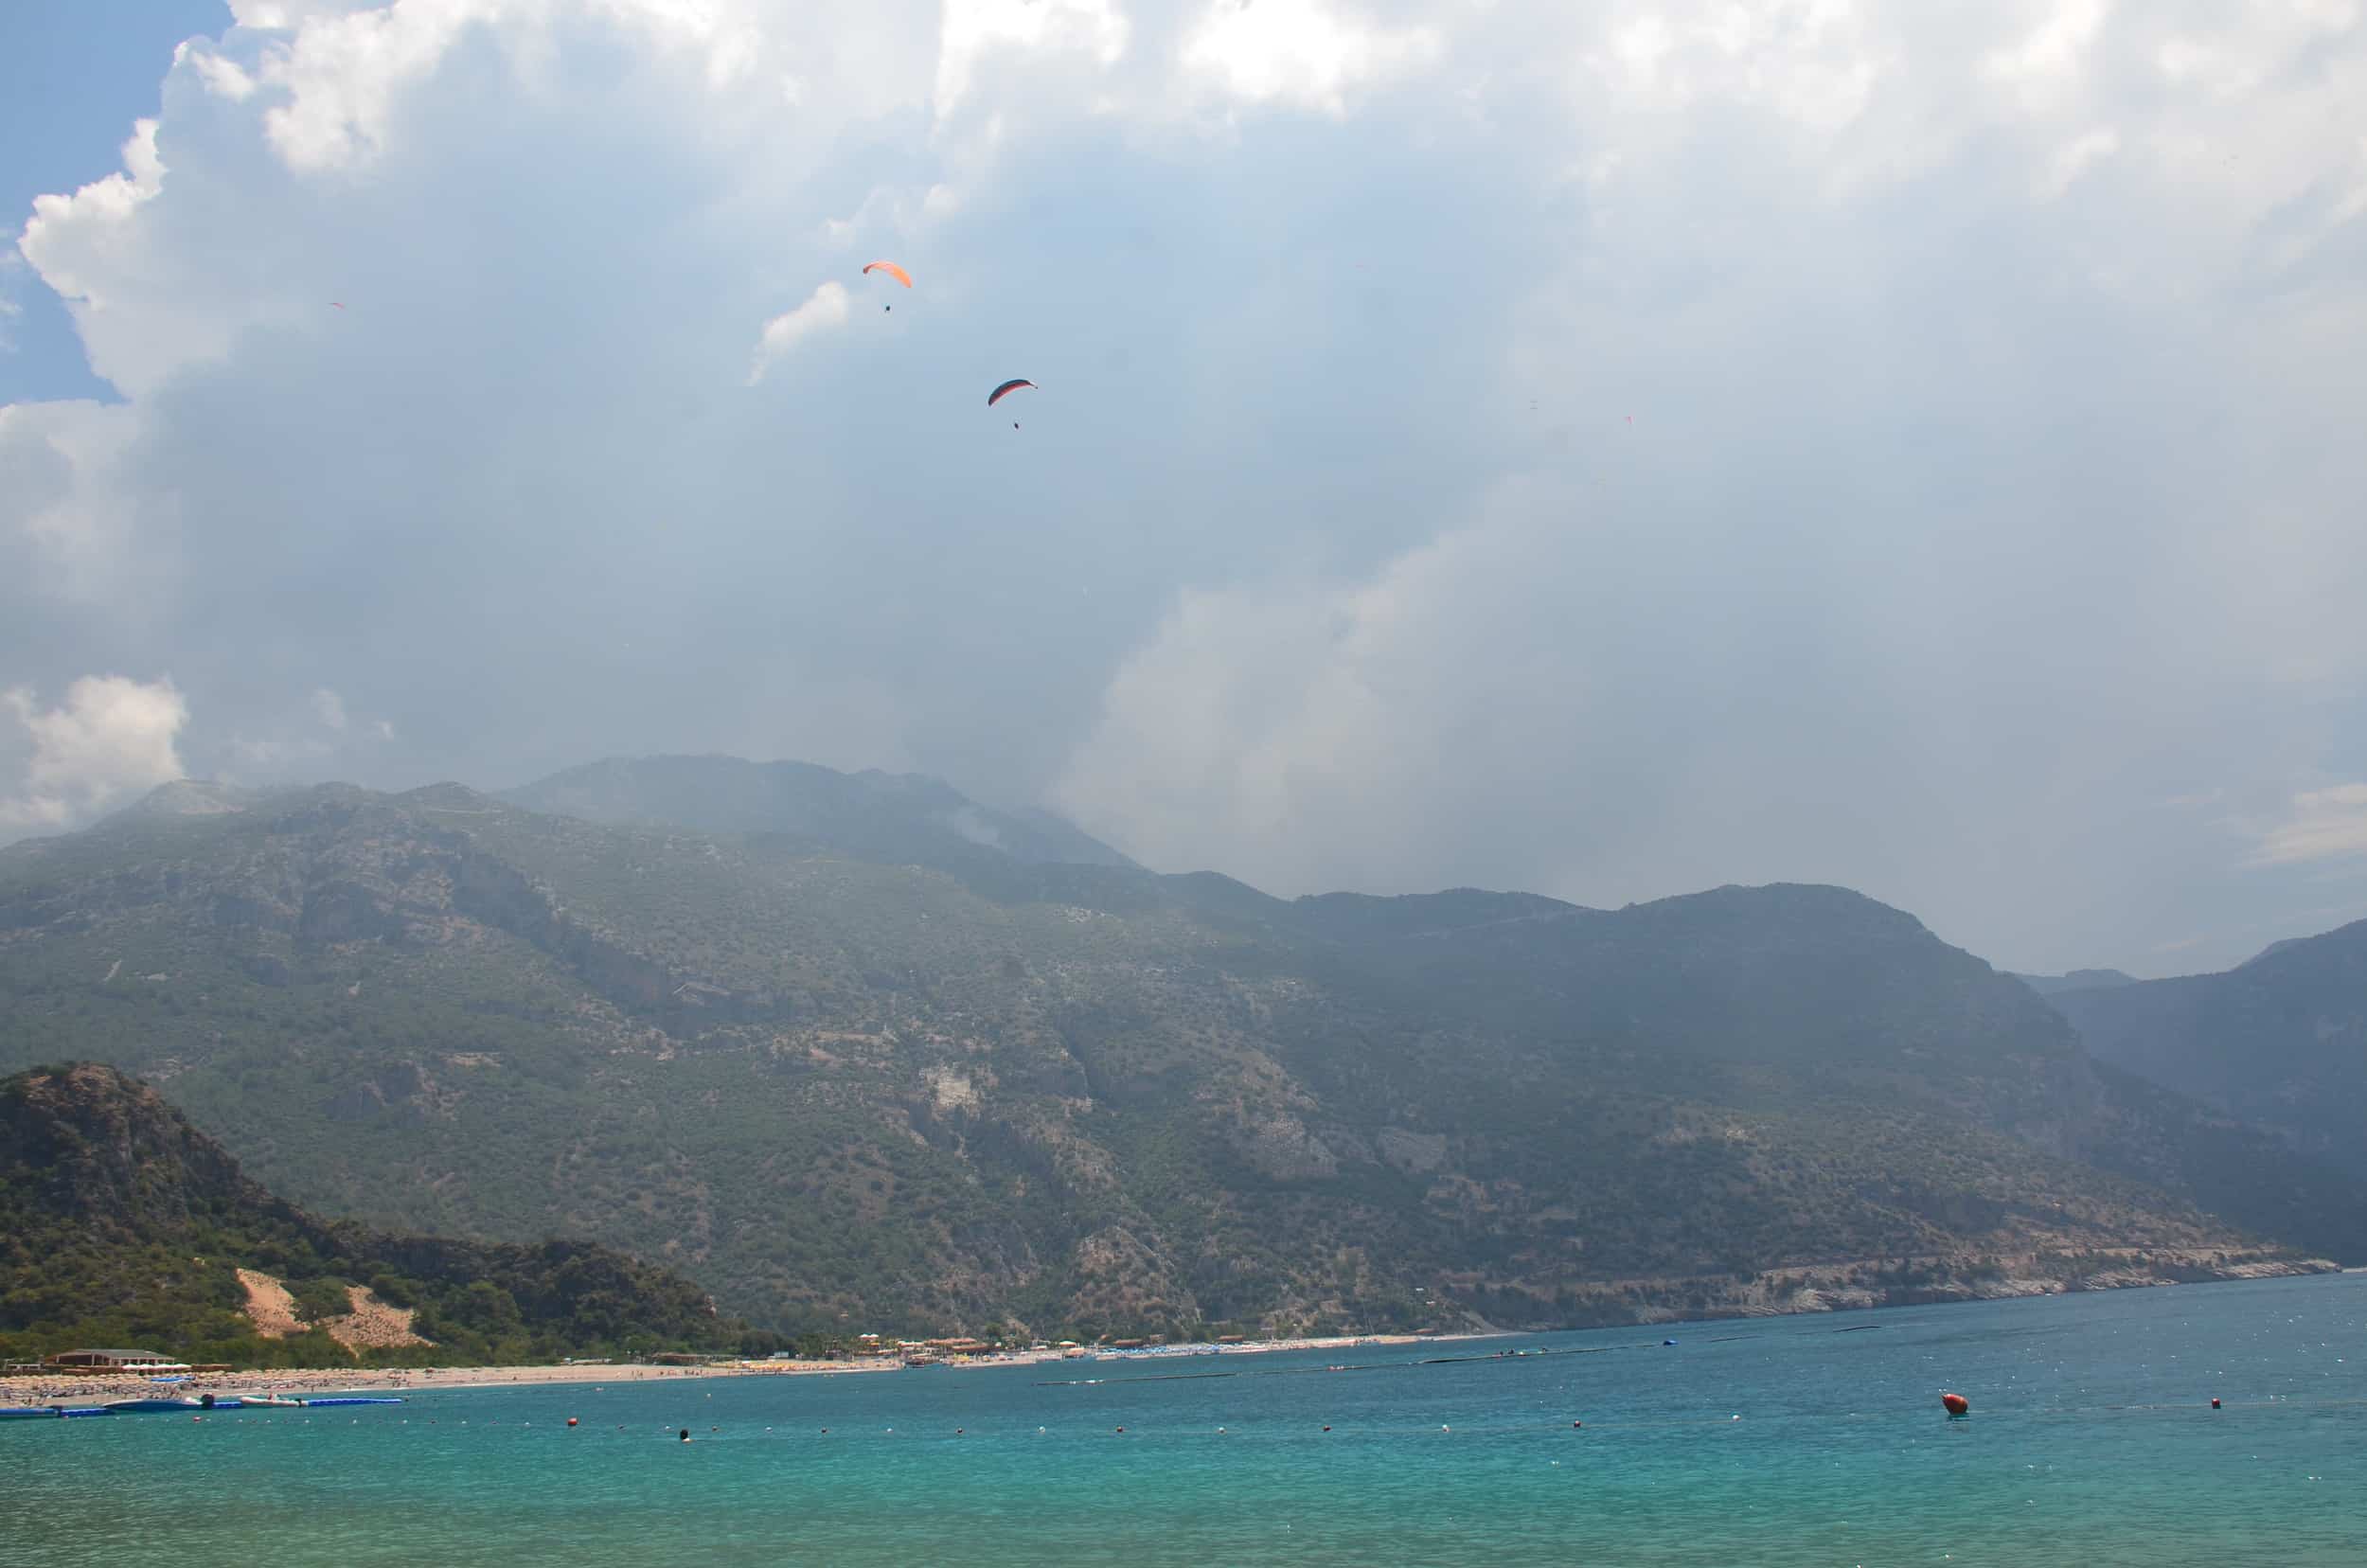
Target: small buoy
1121,1429
1576,1425
571,1420
1326,1429
1956,1403
2215,1401
957,1431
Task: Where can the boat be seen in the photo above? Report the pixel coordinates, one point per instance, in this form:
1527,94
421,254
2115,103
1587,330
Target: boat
269,1402
343,1399
28,1412
150,1407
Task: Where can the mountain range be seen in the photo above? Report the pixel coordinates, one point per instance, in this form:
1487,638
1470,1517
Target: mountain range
2280,1040
854,1051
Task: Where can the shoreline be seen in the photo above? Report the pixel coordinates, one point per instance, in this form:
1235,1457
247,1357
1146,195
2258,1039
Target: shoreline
96,1388
1808,1295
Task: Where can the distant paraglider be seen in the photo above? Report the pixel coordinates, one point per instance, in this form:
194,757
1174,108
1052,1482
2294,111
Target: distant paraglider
1006,390
893,271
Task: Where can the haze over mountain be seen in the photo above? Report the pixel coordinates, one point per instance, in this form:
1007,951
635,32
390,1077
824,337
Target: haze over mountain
121,1224
2280,1040
873,814
2083,979
913,1079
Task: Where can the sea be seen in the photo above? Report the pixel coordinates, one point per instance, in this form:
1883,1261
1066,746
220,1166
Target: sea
2092,1439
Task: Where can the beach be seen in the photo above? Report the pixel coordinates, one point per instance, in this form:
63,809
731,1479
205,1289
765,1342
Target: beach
97,1389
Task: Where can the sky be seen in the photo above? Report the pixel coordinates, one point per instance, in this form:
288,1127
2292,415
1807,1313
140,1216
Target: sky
1608,450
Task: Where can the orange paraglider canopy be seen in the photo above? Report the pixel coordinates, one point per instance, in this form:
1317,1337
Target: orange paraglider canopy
892,270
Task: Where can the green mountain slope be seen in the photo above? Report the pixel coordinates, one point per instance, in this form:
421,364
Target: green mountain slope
2280,1040
121,1224
842,1089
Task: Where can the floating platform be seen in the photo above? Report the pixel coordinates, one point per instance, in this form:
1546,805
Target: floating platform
151,1407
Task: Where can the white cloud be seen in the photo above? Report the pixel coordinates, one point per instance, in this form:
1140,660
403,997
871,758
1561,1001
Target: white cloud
98,249
81,243
113,736
69,507
274,754
222,77
338,79
11,308
2053,51
286,751
2075,157
823,311
973,31
1978,356
2327,824
1302,52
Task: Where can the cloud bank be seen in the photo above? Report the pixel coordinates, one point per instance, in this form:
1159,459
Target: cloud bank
112,737
1604,450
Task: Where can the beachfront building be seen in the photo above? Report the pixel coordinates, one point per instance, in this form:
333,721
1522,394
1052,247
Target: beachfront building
112,1361
962,1347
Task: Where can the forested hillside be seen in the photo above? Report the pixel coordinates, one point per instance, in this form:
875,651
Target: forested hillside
121,1224
835,1083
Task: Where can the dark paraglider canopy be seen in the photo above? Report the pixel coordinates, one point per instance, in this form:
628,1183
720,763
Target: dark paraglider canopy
1006,390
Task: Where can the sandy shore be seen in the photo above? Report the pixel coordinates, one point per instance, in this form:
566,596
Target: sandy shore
98,1389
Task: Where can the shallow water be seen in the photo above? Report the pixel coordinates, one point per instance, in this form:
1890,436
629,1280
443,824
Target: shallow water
1792,1440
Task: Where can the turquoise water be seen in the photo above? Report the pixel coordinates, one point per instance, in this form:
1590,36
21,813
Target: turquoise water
2090,1441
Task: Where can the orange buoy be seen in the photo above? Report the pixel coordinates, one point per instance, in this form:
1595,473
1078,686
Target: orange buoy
1957,1405
571,1420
